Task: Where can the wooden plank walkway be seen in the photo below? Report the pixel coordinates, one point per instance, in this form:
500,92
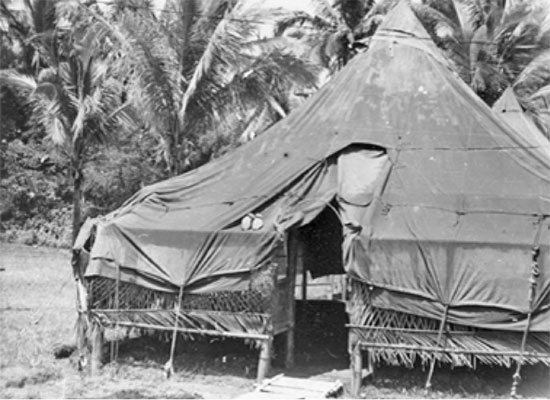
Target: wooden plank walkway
284,387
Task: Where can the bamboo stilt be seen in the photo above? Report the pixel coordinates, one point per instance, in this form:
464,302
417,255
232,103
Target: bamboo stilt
292,254
289,359
114,343
356,370
264,363
97,349
82,322
304,284
81,342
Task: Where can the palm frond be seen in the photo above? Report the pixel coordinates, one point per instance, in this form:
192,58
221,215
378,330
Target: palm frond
441,27
264,82
222,48
477,47
328,13
302,18
476,13
541,92
44,15
49,115
185,11
24,84
155,70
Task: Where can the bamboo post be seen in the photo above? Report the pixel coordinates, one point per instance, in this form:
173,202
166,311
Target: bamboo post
356,369
344,287
117,306
292,258
82,323
265,359
97,349
264,362
535,272
304,284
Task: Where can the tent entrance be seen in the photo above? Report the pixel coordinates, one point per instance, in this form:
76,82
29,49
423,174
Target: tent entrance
319,293
320,271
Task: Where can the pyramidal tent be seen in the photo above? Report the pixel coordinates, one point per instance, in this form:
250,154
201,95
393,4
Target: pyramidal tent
441,203
510,111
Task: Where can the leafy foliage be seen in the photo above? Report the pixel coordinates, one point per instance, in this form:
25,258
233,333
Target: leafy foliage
206,75
34,194
73,98
99,100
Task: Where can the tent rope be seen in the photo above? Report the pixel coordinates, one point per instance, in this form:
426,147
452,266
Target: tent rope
535,272
169,366
438,340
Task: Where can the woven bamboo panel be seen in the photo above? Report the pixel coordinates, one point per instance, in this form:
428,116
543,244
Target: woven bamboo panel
188,321
102,294
400,338
245,312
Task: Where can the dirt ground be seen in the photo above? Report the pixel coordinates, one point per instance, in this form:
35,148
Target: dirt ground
37,312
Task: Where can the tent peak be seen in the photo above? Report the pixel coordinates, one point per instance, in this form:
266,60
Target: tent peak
401,21
402,26
507,102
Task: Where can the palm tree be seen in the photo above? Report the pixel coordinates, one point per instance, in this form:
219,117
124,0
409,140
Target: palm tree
532,88
332,34
73,96
200,76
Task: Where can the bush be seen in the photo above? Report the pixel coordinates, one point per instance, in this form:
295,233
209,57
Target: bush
36,191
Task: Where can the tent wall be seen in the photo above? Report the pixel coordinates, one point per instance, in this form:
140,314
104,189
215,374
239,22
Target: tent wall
264,309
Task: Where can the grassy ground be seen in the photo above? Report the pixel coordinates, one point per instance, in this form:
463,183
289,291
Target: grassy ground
37,312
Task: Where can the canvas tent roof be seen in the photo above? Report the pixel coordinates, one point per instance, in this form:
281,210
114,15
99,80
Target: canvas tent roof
448,212
509,110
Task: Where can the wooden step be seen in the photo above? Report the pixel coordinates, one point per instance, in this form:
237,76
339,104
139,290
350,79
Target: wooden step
281,386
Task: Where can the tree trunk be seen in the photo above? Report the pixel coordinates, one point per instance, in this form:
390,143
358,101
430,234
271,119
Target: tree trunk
77,198
170,155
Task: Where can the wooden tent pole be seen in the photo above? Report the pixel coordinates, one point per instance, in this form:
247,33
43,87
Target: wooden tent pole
292,257
304,284
356,364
